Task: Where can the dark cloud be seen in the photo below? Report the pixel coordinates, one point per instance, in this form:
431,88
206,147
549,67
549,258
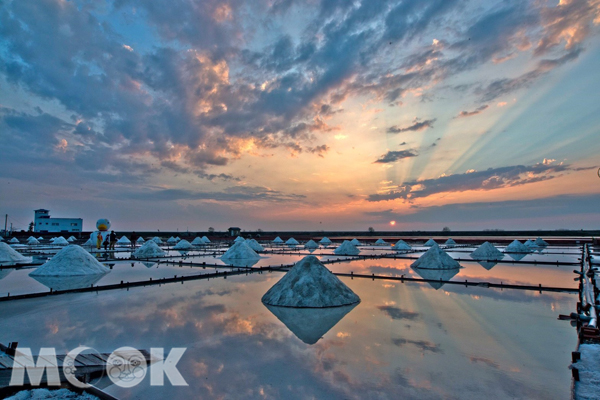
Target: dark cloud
415,127
236,193
476,111
422,345
398,313
393,156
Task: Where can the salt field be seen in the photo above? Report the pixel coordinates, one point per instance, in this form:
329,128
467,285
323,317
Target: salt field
415,332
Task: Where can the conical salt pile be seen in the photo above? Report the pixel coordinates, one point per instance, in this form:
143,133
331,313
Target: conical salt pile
240,250
60,241
311,244
517,247
156,240
531,244
450,242
346,249
325,241
10,255
291,241
183,245
40,238
88,243
73,260
1,239
254,245
140,240
380,242
124,240
71,239
239,239
487,251
310,284
178,239
355,242
197,241
148,250
171,240
14,240
401,245
205,239
30,237
430,243
541,242
435,258
277,240
32,241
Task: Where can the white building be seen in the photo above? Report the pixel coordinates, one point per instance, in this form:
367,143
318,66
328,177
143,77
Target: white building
43,223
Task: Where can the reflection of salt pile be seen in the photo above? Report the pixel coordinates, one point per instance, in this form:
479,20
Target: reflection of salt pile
436,275
254,245
310,284
183,245
71,239
205,239
541,242
240,250
124,240
325,241
355,242
291,241
430,243
156,240
516,247
278,240
435,258
171,240
149,264
450,242
197,241
68,282
310,324
401,245
487,264
32,241
487,251
380,242
347,249
530,244
60,241
4,272
140,240
73,260
14,240
10,255
311,244
239,239
148,250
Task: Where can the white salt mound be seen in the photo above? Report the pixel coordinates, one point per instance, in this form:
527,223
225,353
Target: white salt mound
380,242
487,251
14,240
51,394
311,244
450,241
73,260
156,240
60,241
197,241
205,239
541,242
401,245
30,237
32,241
148,250
588,386
171,240
292,241
346,249
239,250
277,240
435,258
531,244
310,284
124,240
178,238
71,239
239,239
88,243
183,245
10,255
355,242
516,247
140,240
254,245
1,239
40,238
430,243
325,240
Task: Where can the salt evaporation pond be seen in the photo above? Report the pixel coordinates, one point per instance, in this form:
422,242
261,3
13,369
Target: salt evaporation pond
410,340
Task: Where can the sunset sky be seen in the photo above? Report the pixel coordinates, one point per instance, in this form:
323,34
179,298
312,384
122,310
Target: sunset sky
301,115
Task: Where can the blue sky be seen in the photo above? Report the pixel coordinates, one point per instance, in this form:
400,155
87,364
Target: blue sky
301,115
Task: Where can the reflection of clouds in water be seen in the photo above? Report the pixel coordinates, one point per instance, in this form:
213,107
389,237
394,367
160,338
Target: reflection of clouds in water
397,312
422,345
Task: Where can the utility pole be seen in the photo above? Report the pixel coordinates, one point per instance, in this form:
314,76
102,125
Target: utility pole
5,220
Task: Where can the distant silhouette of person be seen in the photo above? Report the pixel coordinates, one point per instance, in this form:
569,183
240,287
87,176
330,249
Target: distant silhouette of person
113,239
99,241
134,238
106,242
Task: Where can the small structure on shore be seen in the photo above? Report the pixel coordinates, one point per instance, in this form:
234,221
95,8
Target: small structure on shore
346,249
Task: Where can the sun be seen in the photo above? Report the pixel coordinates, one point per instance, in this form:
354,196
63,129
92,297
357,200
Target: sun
392,223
